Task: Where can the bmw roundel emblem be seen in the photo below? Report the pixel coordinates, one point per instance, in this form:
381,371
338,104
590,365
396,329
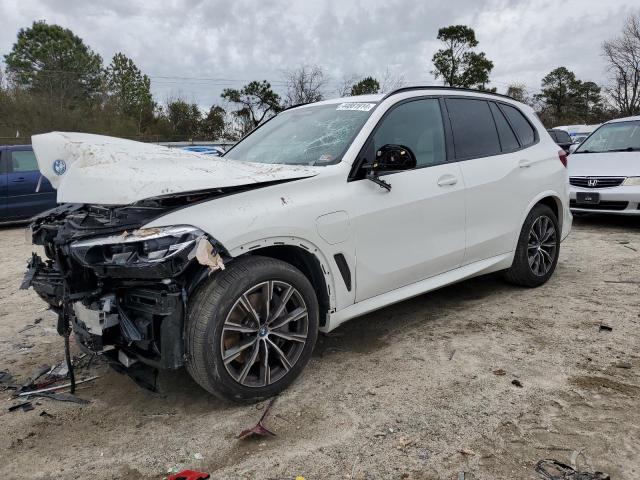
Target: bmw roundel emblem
59,166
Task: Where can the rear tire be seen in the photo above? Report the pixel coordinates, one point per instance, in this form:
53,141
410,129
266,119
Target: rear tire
537,250
241,347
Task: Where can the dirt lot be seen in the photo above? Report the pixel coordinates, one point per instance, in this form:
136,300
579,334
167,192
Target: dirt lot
405,392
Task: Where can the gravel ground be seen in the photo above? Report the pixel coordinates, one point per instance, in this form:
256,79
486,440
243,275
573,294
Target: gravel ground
410,391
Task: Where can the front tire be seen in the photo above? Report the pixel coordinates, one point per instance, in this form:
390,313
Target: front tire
538,249
251,329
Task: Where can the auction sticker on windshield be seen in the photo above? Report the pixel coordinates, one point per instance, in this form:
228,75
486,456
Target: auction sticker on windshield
361,107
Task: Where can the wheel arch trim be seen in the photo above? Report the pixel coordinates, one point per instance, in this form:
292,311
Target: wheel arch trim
329,276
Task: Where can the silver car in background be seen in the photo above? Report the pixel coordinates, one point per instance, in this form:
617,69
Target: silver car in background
604,171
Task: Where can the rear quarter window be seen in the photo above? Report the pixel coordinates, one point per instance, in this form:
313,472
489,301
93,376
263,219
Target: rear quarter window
473,128
520,124
508,139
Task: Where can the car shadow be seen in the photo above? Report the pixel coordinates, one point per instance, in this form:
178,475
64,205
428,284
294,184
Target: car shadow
621,222
370,332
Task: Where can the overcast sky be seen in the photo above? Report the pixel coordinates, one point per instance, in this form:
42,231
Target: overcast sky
194,48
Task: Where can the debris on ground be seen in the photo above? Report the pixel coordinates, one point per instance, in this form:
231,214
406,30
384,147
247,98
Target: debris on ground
47,377
259,429
27,327
189,475
554,470
61,397
500,372
625,365
516,383
24,406
46,414
5,380
57,387
606,328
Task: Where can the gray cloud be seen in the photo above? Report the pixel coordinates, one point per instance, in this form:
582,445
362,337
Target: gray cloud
185,44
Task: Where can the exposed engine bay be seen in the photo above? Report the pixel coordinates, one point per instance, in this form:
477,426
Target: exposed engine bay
122,289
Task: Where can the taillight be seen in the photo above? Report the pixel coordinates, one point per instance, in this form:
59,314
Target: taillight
563,157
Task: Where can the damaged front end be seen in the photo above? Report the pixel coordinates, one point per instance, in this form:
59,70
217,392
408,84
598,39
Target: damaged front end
120,288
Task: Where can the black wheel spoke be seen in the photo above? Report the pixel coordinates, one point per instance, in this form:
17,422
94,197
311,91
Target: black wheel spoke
235,352
246,304
249,363
283,303
265,369
234,327
280,354
294,337
294,316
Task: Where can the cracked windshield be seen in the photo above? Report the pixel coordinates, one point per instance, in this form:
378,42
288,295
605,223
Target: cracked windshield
306,136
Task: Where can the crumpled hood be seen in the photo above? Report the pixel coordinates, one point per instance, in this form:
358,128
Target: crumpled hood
607,164
97,169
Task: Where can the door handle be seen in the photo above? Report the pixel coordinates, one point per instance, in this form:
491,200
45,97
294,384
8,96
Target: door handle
18,180
524,163
446,180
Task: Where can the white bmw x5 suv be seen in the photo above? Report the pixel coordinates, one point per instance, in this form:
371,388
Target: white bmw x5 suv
231,266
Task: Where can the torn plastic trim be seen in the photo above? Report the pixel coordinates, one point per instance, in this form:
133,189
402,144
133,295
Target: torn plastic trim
206,254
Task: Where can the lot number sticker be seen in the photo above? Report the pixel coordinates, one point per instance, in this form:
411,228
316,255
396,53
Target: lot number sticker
360,107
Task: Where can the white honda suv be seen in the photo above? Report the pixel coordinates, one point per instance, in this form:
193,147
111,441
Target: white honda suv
231,265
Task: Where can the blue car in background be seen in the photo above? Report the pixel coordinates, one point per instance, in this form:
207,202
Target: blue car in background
207,150
24,192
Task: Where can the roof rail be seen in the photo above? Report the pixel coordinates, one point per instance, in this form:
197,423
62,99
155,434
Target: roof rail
438,87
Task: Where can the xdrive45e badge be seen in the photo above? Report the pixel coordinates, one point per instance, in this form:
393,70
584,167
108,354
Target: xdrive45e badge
59,166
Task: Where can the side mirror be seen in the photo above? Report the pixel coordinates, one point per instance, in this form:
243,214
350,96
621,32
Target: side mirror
573,146
391,158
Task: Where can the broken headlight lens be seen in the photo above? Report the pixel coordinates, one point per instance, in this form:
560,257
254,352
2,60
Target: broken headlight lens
142,246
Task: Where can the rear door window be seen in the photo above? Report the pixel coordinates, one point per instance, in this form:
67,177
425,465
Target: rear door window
474,131
520,124
508,140
23,161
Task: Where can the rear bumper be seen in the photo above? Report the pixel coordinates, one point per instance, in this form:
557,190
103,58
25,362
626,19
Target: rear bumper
622,200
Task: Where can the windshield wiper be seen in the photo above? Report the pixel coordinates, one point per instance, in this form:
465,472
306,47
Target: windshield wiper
628,149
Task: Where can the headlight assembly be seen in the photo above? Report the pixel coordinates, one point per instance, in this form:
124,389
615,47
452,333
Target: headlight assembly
143,247
631,181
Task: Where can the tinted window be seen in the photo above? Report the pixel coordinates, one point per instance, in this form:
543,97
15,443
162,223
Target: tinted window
520,124
24,161
474,132
553,136
418,126
508,139
562,136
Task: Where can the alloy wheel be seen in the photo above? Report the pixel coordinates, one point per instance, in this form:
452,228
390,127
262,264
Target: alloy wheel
264,333
542,245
